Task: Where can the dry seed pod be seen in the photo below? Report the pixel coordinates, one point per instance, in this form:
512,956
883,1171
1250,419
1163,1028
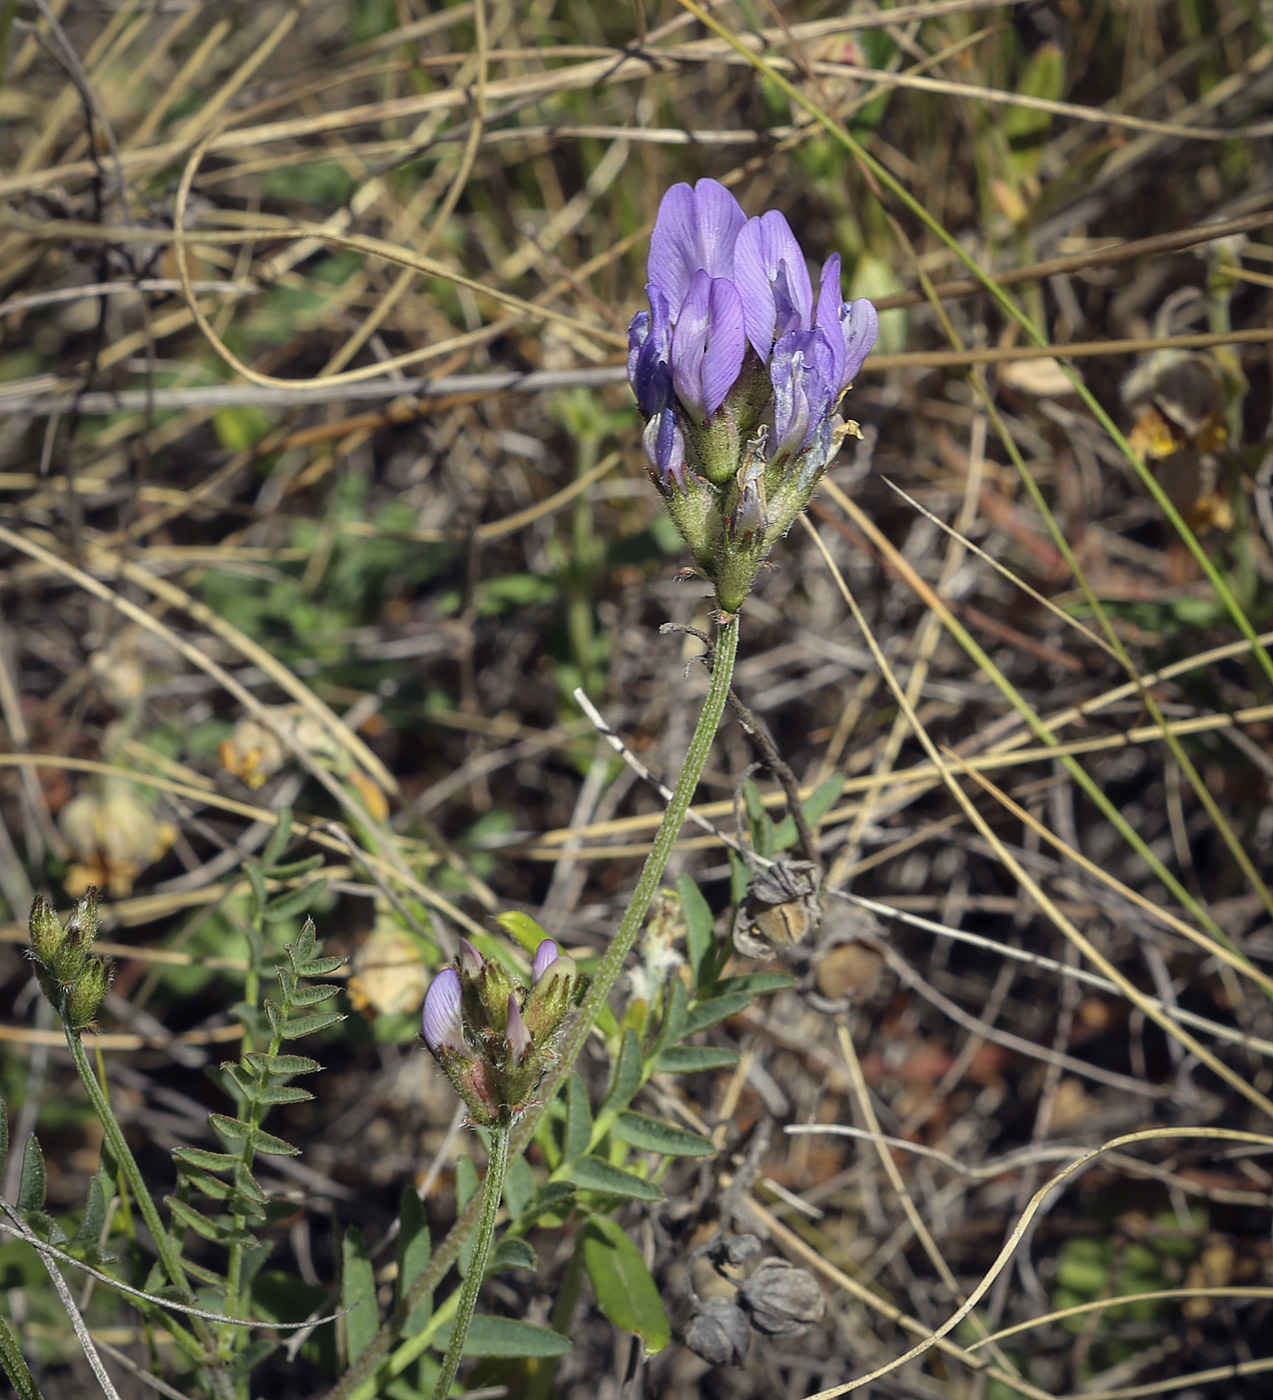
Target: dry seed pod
718,1332
781,1299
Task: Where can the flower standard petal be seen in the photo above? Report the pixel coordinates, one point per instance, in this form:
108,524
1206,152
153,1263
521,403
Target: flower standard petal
773,280
695,231
545,955
442,1023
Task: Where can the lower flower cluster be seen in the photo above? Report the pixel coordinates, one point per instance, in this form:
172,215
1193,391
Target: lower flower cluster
739,372
492,1036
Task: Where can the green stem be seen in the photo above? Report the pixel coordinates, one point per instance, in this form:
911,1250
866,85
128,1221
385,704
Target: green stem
15,1366
492,1194
603,981
169,1254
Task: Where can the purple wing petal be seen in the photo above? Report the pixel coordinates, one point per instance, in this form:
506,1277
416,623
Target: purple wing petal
708,344
827,316
649,346
770,273
441,1022
804,390
545,955
694,232
664,444
861,324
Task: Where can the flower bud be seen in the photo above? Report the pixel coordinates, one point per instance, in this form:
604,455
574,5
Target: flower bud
47,933
85,998
517,1035
551,998
486,988
545,955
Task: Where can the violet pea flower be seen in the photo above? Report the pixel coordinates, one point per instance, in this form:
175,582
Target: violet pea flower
442,1023
545,955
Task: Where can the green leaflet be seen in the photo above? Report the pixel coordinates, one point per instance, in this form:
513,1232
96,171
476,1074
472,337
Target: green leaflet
578,1119
34,1180
506,1336
694,1059
625,1291
592,1174
204,1225
708,1013
700,934
358,1291
653,1135
627,1073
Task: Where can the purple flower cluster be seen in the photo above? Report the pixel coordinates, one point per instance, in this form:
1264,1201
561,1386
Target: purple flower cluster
721,284
738,368
491,1035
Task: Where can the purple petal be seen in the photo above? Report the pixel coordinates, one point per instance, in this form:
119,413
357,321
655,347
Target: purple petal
664,444
519,1041
441,1022
545,955
708,344
805,391
827,316
649,346
861,323
771,276
695,231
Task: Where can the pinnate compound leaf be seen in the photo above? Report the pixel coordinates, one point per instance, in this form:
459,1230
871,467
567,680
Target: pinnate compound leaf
358,1291
653,1135
33,1183
626,1293
507,1336
695,1059
592,1174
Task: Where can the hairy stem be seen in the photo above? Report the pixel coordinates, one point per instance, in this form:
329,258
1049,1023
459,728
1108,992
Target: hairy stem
169,1254
354,1380
492,1193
